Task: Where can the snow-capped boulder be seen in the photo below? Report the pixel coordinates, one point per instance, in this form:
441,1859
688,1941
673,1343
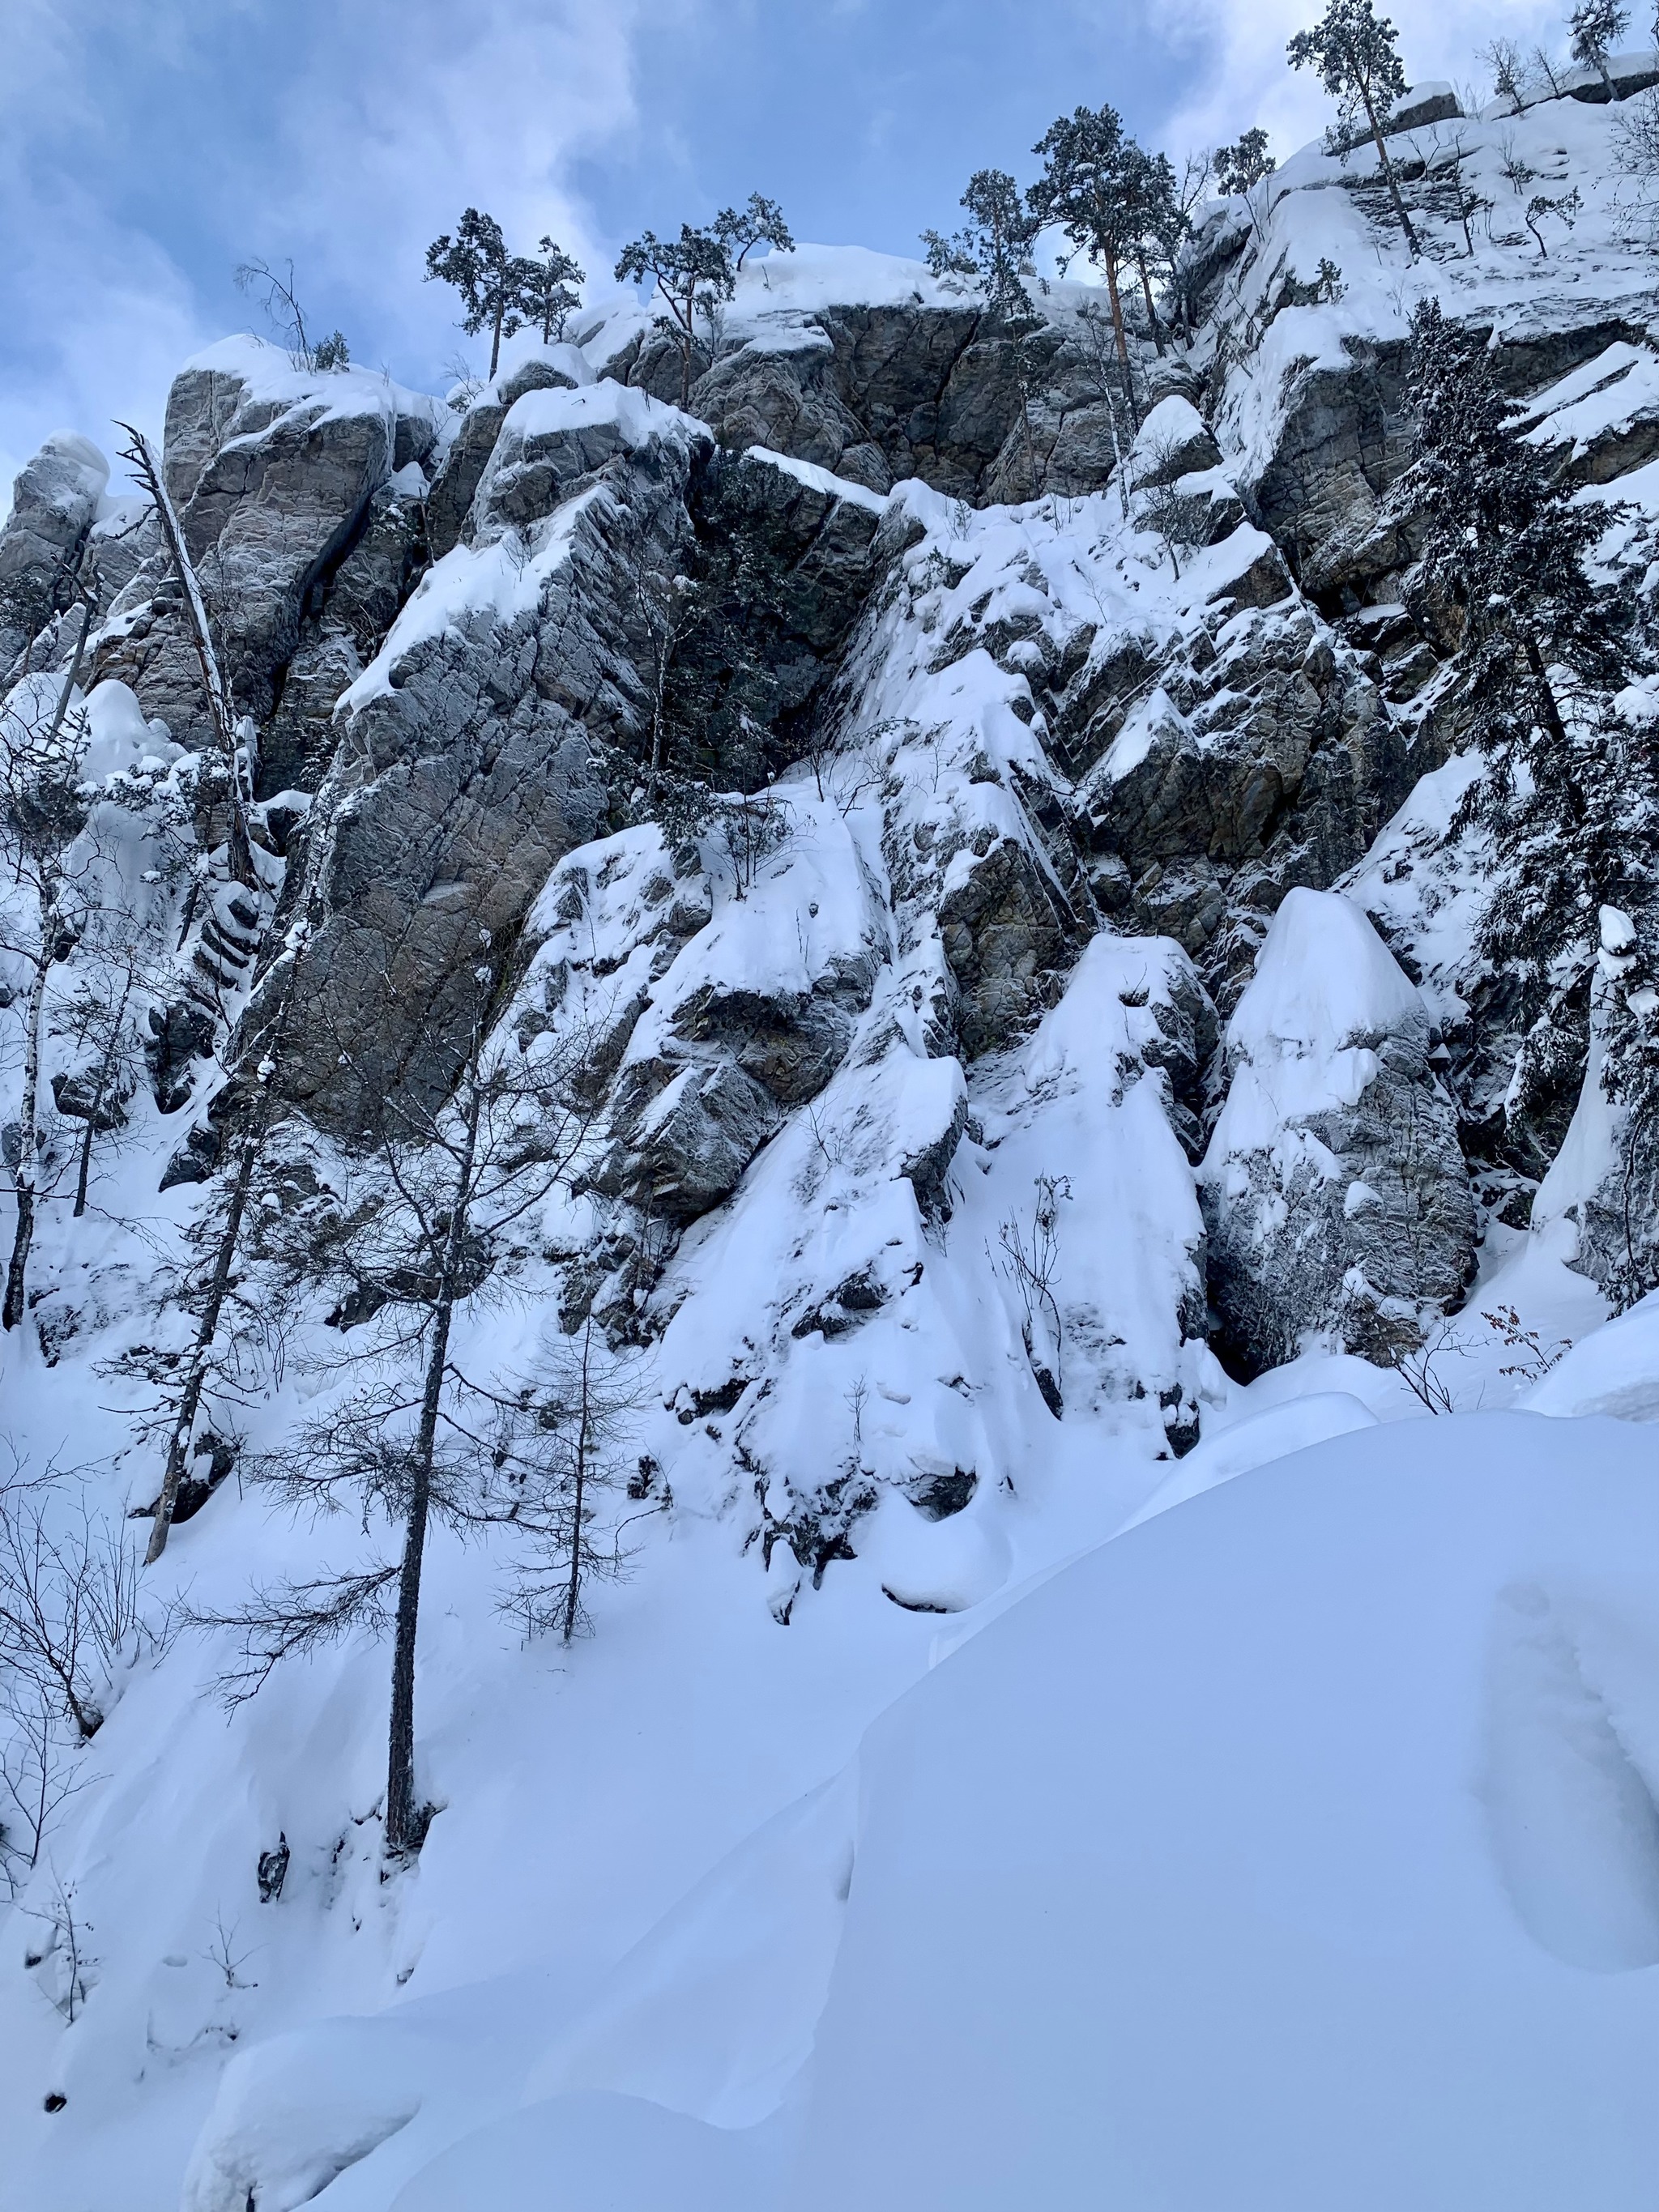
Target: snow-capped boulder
553,441
54,504
1174,442
1334,1192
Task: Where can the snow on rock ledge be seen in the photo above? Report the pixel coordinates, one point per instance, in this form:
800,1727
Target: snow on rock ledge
1336,1198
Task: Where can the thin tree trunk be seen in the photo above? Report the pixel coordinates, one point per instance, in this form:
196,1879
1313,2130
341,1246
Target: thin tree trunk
201,1359
1152,312
1387,165
80,1206
581,1480
28,1125
207,1329
28,1121
1551,712
1121,334
142,456
404,1830
105,1068
496,335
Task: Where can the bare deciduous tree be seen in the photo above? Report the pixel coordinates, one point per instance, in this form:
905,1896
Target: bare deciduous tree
42,815
1031,1260
72,1615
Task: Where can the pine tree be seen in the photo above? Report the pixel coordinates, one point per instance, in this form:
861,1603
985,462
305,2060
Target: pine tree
1240,168
1354,51
1158,234
1090,188
759,222
549,290
1597,25
1570,785
992,251
490,281
697,272
424,1228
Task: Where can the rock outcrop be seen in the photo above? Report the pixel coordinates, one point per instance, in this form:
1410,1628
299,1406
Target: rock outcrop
458,474
475,745
275,471
55,502
1335,1197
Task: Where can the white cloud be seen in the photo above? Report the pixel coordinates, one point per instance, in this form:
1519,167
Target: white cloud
384,118
97,314
409,112
1244,79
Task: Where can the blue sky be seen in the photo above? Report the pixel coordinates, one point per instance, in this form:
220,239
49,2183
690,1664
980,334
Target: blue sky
146,146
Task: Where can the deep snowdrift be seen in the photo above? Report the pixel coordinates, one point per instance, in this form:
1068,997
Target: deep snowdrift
1299,1848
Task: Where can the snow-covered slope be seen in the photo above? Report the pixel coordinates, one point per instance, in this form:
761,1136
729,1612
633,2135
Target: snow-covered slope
1340,1777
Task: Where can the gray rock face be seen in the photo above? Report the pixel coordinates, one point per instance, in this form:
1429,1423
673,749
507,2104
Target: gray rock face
54,504
878,393
1008,936
274,473
1345,438
684,1123
1335,1197
683,1134
464,464
477,759
270,509
1217,781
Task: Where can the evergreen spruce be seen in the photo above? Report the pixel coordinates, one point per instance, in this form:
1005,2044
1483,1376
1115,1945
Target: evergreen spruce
1570,785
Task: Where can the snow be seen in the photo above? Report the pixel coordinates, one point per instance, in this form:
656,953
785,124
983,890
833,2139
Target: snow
1613,1371
68,470
817,479
636,417
118,736
1174,423
1303,1039
270,379
1364,1747
1309,211
1272,1825
1274,1433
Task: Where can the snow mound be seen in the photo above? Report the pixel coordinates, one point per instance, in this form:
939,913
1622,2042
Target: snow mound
1614,1370
1325,991
1274,1433
1330,1788
635,417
